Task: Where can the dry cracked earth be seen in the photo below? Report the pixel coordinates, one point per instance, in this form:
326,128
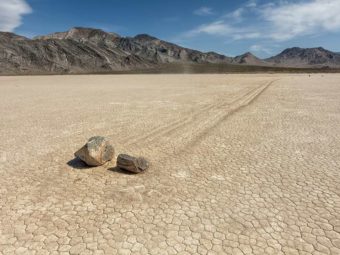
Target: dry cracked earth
240,164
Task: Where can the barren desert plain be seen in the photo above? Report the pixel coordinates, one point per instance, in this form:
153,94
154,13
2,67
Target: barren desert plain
240,164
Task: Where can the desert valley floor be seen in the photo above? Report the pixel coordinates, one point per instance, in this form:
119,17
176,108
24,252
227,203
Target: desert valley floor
240,164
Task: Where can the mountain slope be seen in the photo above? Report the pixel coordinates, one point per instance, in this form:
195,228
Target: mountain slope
51,55
81,35
82,50
248,59
300,57
87,50
160,51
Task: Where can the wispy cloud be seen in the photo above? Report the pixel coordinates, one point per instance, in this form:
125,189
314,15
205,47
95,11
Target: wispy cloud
222,29
246,34
275,21
251,4
11,12
305,18
257,48
204,11
236,16
214,28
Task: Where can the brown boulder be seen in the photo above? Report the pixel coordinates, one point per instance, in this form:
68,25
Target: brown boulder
96,152
132,164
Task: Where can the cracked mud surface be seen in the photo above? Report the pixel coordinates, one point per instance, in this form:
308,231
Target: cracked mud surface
240,164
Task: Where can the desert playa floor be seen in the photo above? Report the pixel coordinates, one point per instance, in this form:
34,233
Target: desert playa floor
240,164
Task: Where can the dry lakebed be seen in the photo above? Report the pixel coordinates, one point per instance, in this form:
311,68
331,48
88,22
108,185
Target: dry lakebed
239,164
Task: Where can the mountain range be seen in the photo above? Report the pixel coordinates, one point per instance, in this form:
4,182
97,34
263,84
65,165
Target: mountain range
88,50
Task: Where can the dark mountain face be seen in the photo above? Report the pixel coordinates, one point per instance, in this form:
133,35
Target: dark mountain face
300,57
6,36
248,59
84,35
92,50
159,51
53,55
81,34
87,50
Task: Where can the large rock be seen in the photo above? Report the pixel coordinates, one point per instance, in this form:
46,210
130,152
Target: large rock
96,152
132,164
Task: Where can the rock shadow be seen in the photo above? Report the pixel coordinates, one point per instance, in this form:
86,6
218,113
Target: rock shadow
119,170
76,163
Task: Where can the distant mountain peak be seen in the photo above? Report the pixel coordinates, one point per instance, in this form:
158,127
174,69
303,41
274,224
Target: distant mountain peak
295,49
80,34
87,30
306,57
145,37
248,54
12,36
248,58
82,49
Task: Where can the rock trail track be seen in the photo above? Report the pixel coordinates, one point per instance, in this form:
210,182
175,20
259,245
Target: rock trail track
184,133
240,164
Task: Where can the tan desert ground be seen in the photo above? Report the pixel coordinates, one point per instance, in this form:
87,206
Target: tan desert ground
240,164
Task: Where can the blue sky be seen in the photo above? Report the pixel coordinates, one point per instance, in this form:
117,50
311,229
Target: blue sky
230,27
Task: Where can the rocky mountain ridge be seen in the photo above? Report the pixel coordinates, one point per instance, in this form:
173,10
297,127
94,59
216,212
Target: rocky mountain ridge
88,50
248,59
306,57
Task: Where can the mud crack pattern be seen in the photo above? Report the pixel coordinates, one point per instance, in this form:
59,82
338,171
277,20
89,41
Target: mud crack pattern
241,164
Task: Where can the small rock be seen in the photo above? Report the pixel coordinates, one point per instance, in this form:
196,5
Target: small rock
96,152
132,164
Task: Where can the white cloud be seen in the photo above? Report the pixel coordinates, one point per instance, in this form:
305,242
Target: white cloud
204,11
305,18
281,21
214,28
236,16
251,4
256,47
246,35
11,12
222,29
260,49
